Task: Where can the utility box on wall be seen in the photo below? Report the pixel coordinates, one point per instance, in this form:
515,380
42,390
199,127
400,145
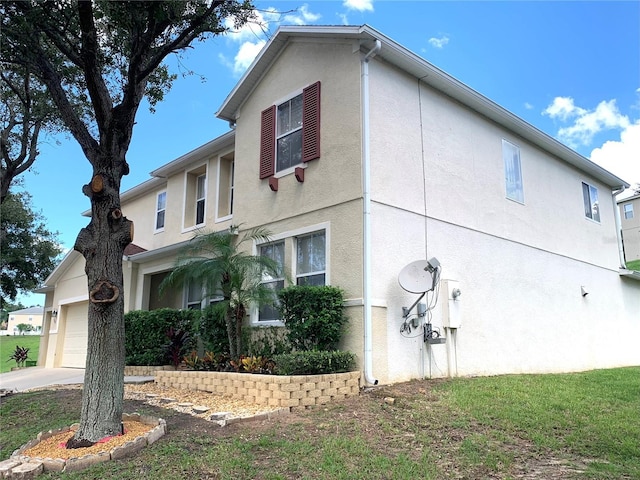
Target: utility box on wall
451,307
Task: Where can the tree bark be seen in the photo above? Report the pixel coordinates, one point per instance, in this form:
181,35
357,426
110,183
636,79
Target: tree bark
102,244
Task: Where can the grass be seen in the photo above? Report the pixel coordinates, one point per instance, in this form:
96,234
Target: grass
8,345
583,425
634,265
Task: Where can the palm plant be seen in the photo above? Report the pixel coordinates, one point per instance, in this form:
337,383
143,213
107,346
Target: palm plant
220,263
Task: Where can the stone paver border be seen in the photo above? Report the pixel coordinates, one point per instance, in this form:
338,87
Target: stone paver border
23,467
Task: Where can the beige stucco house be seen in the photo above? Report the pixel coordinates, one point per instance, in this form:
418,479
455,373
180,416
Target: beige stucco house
630,226
361,158
31,316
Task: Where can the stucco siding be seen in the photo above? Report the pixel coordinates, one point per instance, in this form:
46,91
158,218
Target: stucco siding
332,179
456,172
522,308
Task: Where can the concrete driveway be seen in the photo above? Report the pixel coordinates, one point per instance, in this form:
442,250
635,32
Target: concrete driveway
38,377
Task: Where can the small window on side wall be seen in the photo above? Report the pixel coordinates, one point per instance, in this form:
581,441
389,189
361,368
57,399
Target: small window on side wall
590,200
628,211
161,207
512,172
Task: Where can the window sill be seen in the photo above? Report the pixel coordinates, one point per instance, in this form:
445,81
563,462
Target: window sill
289,171
161,230
224,219
191,229
267,323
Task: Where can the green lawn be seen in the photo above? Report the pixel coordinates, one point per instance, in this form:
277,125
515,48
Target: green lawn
634,265
570,426
8,345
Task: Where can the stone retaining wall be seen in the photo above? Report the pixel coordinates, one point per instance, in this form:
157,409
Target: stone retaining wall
274,390
144,371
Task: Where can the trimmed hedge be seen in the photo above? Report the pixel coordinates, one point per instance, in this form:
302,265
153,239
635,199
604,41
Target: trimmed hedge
146,341
314,316
314,363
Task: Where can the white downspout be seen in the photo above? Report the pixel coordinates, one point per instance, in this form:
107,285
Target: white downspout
366,196
616,212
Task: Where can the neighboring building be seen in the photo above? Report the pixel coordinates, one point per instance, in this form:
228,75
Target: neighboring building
362,157
630,225
29,316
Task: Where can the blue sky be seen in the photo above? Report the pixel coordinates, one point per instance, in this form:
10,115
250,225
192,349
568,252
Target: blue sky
572,69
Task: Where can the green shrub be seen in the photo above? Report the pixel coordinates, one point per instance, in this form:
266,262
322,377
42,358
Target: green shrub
314,363
266,341
212,328
314,316
146,341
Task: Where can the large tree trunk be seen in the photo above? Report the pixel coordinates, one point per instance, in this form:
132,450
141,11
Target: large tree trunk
102,244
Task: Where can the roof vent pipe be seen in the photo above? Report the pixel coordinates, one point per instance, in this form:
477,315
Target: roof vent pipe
366,197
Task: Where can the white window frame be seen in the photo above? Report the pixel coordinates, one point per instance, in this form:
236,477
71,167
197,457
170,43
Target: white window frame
190,197
231,187
290,249
512,162
273,279
628,212
314,272
278,136
157,229
590,202
201,198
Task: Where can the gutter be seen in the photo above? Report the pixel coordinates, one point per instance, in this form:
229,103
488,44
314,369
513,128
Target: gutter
366,215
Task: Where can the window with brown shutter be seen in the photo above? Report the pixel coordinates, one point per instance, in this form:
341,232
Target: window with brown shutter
290,132
268,142
311,122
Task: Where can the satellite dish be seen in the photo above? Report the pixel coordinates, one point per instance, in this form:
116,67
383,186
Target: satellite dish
416,277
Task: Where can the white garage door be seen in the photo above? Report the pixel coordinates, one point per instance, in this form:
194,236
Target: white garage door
74,352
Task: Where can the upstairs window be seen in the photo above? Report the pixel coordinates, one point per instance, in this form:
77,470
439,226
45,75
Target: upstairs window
290,132
311,259
200,198
226,166
512,171
161,207
628,211
195,197
590,200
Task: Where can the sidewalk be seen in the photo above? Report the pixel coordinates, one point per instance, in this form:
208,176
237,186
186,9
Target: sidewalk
38,377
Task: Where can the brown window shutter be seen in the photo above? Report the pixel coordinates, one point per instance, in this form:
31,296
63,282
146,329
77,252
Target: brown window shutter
311,122
268,142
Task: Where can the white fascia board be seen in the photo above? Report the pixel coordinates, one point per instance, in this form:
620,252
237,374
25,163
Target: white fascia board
213,146
58,271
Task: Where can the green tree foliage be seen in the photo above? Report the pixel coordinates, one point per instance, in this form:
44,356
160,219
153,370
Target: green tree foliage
28,250
98,61
220,263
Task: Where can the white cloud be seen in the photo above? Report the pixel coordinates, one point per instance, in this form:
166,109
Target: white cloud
563,108
360,5
343,17
438,42
252,36
246,54
528,106
622,158
301,17
585,123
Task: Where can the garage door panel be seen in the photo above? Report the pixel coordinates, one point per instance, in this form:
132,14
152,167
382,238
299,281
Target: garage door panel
74,353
